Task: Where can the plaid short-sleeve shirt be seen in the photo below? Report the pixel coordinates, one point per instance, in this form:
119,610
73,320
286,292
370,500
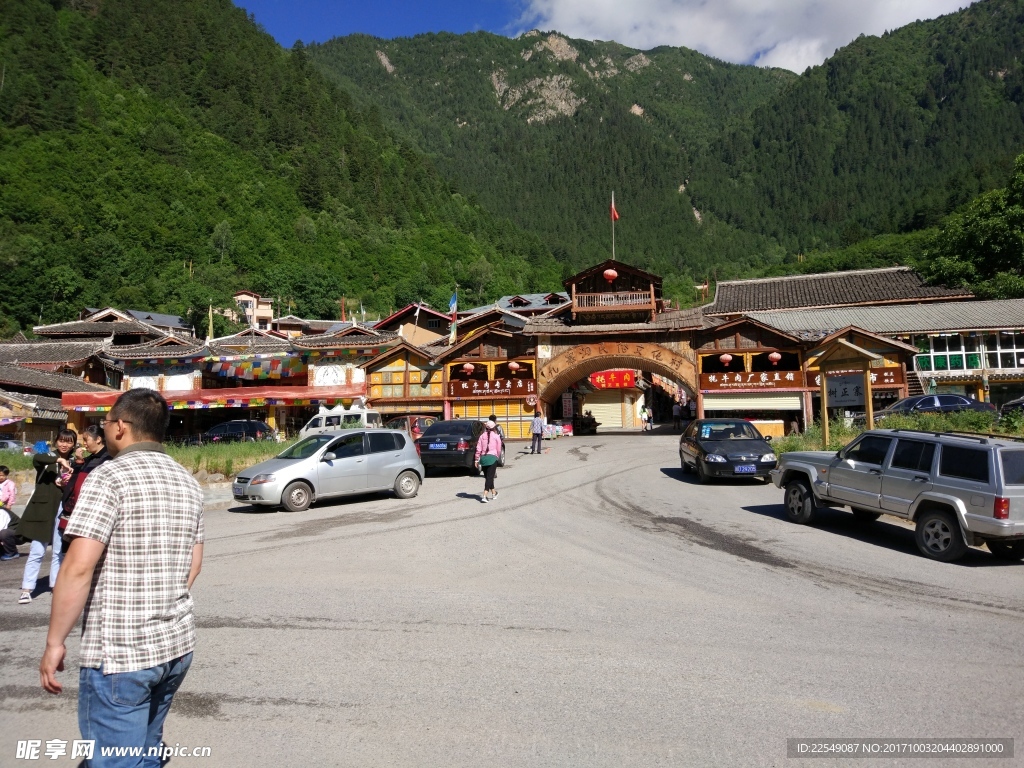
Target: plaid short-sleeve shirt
148,511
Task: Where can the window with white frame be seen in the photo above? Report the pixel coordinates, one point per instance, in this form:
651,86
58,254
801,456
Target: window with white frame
967,351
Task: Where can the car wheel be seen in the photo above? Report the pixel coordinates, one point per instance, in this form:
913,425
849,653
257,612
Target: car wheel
939,537
800,506
702,475
501,459
474,470
297,497
865,515
407,485
1007,550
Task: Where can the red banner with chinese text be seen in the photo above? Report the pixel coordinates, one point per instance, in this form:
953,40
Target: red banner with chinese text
614,379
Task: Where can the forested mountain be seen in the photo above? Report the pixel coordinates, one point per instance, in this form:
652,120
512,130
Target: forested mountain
160,154
544,129
888,136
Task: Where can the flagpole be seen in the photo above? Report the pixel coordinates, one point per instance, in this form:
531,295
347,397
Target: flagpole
613,226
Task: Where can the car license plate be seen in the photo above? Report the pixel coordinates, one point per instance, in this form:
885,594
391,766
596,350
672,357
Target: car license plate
438,446
745,469
237,490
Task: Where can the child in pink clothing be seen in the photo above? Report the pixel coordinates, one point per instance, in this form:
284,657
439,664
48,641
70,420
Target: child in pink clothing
8,490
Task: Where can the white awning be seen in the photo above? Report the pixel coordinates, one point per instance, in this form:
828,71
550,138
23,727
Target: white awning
767,401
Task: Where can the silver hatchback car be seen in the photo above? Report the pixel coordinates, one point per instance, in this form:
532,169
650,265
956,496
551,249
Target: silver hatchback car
340,463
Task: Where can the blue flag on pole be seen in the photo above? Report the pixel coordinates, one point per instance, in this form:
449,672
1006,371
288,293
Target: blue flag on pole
454,302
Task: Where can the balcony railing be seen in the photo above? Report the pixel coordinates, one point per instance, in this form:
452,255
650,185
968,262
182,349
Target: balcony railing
611,302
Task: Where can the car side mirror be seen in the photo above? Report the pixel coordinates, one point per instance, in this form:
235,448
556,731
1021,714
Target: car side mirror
767,438
328,457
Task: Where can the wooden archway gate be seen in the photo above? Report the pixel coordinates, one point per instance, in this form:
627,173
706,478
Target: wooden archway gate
573,364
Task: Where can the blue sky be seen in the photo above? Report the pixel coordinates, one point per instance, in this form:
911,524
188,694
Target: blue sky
320,20
793,34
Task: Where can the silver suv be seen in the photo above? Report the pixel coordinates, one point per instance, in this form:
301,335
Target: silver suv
959,489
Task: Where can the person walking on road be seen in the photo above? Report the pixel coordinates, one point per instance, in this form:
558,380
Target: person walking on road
488,452
136,548
39,520
536,431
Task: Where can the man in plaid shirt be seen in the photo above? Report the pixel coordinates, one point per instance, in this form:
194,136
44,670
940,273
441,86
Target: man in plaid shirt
136,548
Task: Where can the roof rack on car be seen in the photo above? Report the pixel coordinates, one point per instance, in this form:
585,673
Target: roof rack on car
980,437
990,434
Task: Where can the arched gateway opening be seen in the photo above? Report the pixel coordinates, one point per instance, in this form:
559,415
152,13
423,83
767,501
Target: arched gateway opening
580,361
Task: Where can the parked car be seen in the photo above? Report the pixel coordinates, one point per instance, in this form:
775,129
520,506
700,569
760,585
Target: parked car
239,430
13,446
412,424
934,404
1012,405
959,490
333,464
725,448
452,443
330,420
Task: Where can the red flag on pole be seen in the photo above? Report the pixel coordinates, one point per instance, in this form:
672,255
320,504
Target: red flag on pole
615,214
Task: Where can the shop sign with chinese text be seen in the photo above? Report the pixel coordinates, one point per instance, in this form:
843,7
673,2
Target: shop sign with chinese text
615,379
492,388
714,382
880,377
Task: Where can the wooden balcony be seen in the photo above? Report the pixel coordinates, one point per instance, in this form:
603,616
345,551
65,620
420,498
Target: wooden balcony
621,302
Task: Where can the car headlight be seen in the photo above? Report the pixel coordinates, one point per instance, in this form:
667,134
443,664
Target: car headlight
261,479
714,458
768,457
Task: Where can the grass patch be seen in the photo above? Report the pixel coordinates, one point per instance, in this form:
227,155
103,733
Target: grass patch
964,421
224,458
15,460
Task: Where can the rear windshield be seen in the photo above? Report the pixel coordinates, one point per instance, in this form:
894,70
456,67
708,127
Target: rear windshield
449,428
1013,467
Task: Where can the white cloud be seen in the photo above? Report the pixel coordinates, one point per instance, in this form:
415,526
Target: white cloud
793,34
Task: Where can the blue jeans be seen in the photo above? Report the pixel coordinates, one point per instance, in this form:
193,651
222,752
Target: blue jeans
128,709
35,560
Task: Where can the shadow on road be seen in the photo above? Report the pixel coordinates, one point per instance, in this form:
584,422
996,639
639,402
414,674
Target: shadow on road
879,533
676,473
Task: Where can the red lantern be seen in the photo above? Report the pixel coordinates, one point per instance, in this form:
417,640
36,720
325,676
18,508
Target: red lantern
513,366
468,368
726,359
775,357
610,275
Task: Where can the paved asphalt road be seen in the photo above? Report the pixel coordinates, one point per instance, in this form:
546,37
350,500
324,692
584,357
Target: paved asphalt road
604,611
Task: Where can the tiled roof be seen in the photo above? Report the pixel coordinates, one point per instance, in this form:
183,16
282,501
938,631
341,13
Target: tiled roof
832,289
535,302
87,328
334,341
151,351
256,346
154,318
14,376
892,319
43,407
18,338
666,321
50,351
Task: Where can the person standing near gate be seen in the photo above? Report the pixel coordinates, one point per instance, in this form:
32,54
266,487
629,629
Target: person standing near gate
136,549
677,415
536,431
